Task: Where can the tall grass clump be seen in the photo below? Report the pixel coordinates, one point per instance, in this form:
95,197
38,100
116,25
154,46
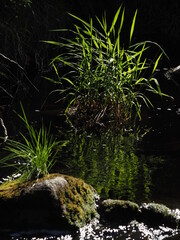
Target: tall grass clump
104,81
35,155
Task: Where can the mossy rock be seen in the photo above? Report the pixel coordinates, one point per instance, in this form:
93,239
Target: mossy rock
158,214
55,201
119,211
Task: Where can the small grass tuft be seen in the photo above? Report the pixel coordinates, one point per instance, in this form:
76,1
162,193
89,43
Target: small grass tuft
34,157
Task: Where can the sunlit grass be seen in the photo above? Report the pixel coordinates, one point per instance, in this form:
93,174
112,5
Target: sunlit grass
35,155
105,79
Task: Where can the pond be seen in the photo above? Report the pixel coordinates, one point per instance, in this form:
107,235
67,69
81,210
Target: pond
112,163
141,165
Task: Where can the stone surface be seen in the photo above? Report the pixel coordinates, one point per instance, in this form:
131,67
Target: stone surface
158,214
173,73
66,203
119,211
57,202
152,214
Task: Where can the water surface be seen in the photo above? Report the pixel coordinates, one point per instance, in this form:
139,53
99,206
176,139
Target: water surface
141,165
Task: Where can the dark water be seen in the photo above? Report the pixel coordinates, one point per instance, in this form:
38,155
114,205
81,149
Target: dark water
112,163
96,231
140,165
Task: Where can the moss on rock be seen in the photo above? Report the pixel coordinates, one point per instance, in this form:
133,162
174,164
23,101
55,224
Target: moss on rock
157,214
54,201
119,211
79,201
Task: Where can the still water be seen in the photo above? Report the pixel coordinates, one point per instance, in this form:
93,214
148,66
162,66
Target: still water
141,165
96,231
112,163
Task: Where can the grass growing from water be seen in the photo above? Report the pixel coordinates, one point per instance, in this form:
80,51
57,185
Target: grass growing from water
34,157
105,81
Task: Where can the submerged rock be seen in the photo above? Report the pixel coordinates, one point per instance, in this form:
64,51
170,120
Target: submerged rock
119,211
56,201
158,214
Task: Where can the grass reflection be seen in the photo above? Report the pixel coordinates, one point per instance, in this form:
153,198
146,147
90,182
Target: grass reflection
112,164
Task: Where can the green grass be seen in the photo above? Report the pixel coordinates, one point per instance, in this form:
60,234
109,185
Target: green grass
35,155
105,80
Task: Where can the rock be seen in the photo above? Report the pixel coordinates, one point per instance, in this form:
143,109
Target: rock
122,212
3,132
172,73
53,202
119,211
158,214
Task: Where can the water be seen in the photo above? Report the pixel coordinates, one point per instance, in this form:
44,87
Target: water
140,165
112,163
97,231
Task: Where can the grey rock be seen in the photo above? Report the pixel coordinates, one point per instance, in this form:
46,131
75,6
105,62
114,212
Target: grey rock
119,211
172,73
158,214
54,202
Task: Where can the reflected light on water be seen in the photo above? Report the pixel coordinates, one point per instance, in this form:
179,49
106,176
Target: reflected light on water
67,237
95,230
117,167
132,231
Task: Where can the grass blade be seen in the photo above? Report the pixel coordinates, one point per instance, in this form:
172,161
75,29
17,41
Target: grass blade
132,27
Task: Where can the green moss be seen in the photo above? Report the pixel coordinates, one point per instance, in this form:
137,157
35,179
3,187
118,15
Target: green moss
76,198
12,188
119,211
156,214
79,201
111,204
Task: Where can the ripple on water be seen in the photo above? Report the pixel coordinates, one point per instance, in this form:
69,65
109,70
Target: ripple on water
34,237
97,231
134,230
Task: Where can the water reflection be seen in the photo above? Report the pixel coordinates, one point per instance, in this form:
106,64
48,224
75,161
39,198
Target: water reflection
134,230
96,231
118,167
112,163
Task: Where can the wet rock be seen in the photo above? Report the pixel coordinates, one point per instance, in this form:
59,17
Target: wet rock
172,73
54,202
158,214
3,132
119,211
